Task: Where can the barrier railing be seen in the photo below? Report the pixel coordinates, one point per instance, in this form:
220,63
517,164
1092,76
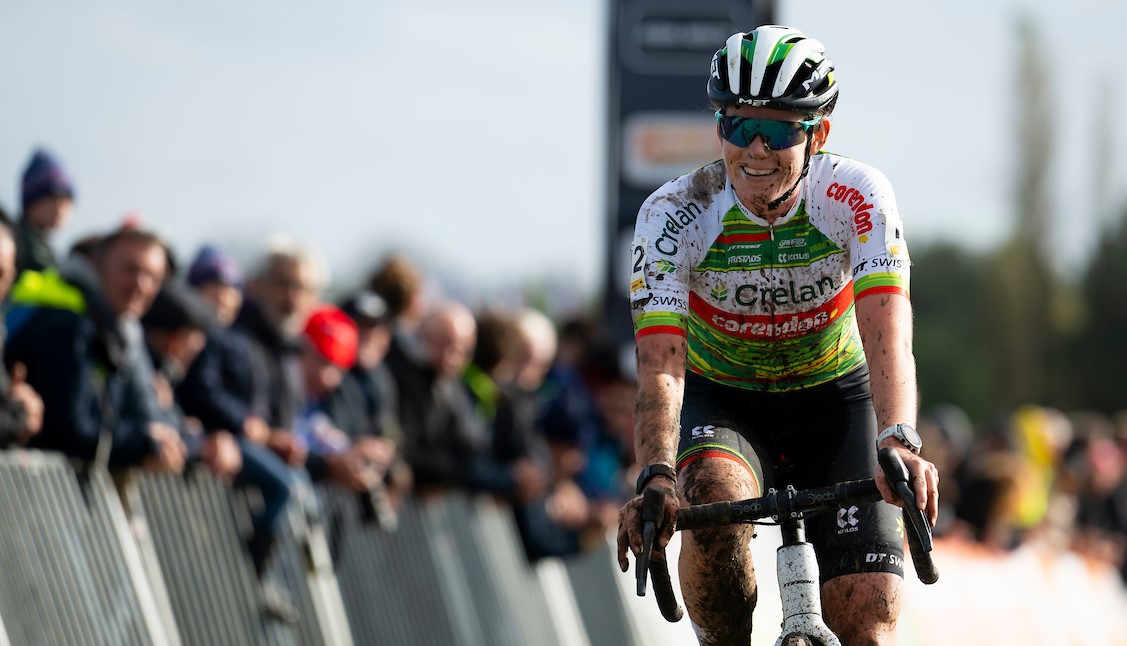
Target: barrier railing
168,567
71,575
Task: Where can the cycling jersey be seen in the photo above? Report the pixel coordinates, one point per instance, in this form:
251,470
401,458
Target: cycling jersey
767,306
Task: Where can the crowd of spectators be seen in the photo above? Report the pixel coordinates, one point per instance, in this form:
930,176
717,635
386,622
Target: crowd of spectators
122,353
1036,478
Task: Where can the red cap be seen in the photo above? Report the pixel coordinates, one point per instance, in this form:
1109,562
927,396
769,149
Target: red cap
333,335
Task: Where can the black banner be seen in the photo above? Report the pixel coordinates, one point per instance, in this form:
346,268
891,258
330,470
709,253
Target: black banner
660,126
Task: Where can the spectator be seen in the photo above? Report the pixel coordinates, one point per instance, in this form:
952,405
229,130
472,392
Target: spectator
368,391
175,332
47,199
87,381
328,353
21,409
510,421
400,284
570,415
369,383
445,443
280,297
219,389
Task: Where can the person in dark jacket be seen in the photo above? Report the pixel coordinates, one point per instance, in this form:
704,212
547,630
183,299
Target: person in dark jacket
280,297
445,443
68,330
21,408
219,390
175,328
46,200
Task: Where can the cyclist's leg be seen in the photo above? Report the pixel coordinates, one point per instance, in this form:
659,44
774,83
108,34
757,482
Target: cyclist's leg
860,548
863,608
717,575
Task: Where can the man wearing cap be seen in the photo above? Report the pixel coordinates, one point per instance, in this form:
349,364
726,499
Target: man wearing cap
175,331
367,396
46,200
329,352
369,385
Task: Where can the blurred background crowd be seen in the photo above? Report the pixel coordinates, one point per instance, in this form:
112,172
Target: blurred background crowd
124,352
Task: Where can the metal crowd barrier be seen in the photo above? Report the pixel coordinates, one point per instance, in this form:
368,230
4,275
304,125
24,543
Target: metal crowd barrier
70,572
198,529
453,572
169,568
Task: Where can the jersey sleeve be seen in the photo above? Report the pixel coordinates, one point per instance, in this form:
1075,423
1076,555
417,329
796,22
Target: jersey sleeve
877,248
660,266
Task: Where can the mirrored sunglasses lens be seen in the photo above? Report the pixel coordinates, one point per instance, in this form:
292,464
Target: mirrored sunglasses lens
777,134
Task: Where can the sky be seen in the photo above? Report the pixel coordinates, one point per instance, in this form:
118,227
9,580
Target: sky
471,135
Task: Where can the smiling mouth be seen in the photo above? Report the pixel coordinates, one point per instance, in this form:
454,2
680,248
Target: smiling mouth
755,172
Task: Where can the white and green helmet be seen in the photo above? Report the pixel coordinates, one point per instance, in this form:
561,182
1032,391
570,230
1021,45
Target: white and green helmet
774,67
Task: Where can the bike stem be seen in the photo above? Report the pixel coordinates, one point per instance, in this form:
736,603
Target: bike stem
799,585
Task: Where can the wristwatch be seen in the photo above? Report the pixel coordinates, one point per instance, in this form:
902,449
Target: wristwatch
906,434
650,471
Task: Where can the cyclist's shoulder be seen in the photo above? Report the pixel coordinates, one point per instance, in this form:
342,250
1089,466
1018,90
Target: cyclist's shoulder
829,167
698,188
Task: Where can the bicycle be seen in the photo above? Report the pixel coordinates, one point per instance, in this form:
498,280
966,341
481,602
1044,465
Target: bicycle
796,563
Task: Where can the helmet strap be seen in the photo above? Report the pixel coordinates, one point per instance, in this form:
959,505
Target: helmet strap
774,204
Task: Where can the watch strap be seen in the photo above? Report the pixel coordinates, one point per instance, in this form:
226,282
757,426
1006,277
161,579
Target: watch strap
897,431
651,470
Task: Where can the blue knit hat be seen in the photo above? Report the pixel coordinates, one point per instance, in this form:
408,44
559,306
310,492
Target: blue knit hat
213,265
44,177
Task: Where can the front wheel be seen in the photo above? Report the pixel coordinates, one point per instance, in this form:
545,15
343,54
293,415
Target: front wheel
800,640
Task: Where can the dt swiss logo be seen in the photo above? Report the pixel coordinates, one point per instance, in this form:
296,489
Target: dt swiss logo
846,520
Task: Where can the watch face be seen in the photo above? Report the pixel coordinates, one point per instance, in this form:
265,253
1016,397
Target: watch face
911,435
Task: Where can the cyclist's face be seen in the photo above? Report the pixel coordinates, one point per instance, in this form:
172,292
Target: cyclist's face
760,174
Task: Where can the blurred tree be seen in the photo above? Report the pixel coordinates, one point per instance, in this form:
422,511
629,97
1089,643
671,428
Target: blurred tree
949,300
1099,353
1021,321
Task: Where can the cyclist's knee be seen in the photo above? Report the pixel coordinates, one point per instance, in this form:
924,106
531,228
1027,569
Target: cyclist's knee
713,480
862,608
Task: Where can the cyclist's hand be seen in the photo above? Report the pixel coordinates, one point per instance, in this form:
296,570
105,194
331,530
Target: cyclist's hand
630,522
924,480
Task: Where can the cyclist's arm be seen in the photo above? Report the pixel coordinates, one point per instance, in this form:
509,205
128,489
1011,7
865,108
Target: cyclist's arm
885,322
661,387
657,412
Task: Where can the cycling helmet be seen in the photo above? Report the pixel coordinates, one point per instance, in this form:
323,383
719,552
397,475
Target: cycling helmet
774,67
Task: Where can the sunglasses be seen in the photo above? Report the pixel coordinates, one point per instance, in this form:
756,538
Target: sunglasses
740,131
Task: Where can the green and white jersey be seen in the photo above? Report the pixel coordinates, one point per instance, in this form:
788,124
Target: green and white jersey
767,307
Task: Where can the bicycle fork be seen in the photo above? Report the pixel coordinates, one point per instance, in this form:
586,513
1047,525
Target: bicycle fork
799,588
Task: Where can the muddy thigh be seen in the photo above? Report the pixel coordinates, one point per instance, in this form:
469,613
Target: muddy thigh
717,575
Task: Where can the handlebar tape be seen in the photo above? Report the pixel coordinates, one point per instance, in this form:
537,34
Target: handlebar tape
715,514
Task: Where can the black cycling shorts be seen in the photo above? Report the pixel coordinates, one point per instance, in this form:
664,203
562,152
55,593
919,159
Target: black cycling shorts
809,438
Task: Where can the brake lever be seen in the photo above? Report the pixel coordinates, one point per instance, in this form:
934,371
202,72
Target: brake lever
916,521
653,513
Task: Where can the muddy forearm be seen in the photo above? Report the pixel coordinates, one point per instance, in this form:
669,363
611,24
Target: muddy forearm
661,388
885,321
